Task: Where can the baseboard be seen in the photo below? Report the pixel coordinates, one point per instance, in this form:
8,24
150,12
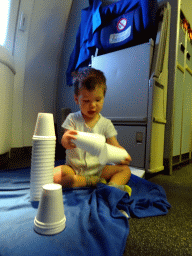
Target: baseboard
19,153
4,159
21,157
175,163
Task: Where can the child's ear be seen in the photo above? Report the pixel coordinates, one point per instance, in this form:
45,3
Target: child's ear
76,99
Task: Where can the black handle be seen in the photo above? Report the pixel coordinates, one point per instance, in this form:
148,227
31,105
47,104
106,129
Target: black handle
182,48
188,56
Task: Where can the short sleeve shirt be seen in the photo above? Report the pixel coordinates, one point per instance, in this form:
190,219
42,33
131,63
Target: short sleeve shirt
81,161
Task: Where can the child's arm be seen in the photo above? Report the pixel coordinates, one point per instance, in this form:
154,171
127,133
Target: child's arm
67,137
113,141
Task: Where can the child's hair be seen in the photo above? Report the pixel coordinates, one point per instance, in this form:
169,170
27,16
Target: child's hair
88,78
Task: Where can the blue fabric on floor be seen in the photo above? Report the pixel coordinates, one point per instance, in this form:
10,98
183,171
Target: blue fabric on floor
94,225
147,199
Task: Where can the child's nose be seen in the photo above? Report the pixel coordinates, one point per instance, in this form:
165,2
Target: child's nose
93,104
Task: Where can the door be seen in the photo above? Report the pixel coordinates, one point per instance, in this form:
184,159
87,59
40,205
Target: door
127,74
133,139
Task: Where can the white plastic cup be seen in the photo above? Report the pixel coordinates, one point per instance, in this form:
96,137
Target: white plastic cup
44,160
36,186
42,146
42,165
41,169
44,155
42,174
39,182
44,140
42,150
90,142
45,152
50,219
112,154
44,125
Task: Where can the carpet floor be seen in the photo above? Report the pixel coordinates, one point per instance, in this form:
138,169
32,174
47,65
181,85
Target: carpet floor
170,234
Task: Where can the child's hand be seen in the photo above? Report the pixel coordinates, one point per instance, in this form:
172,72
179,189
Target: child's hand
127,160
67,138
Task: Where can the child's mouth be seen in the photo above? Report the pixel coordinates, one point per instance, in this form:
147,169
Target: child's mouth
91,112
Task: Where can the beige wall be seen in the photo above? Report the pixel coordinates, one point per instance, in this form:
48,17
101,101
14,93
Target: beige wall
36,54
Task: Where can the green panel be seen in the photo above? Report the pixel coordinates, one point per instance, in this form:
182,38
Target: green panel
181,47
186,125
178,111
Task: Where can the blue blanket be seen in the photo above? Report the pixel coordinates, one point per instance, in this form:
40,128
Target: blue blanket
94,224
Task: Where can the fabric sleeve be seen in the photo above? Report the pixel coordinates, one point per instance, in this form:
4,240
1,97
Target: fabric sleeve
69,122
110,130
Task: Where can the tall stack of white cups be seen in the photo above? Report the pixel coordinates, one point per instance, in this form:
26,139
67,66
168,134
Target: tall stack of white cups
43,155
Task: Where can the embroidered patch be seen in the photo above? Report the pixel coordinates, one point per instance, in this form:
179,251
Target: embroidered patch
119,37
121,24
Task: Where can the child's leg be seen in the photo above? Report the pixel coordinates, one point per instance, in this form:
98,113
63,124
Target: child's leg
118,174
66,176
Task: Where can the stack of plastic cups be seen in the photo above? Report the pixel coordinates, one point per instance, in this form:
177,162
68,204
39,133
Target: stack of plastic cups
43,155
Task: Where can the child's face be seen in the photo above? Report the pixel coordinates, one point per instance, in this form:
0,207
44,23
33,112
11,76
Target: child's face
90,102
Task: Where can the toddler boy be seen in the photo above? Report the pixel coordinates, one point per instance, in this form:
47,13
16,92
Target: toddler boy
83,169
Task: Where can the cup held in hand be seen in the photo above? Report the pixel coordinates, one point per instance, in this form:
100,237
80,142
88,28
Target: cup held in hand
50,217
90,142
112,154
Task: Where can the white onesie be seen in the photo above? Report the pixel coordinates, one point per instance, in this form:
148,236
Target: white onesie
82,162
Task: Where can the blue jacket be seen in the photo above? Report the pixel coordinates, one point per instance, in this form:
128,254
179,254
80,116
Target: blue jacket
95,17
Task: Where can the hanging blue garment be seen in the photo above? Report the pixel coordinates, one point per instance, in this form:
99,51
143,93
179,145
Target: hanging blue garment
121,24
